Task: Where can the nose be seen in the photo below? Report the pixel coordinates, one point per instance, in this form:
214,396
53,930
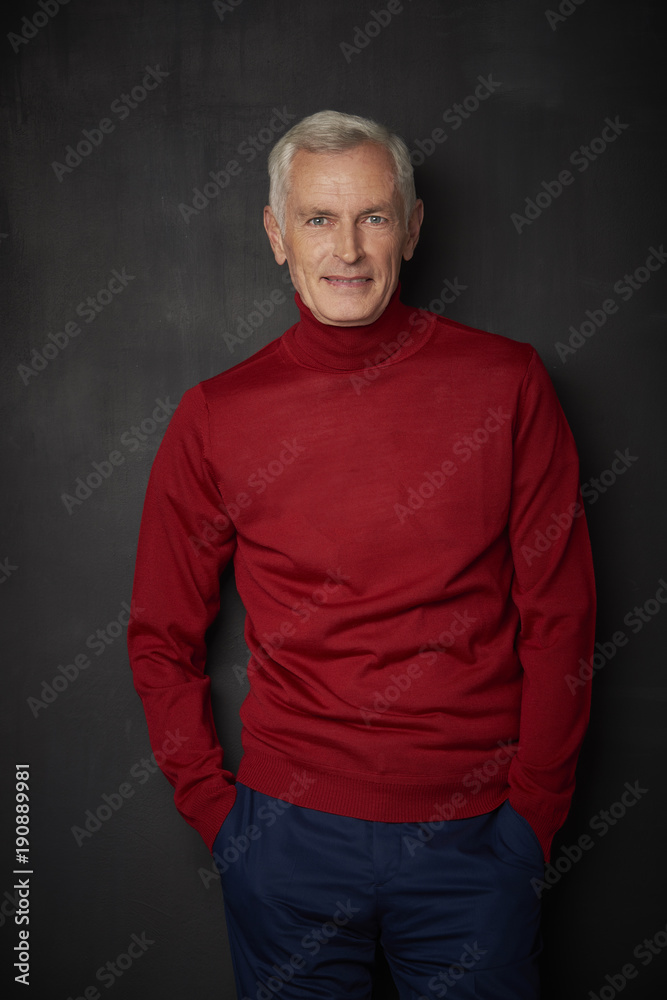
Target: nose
348,246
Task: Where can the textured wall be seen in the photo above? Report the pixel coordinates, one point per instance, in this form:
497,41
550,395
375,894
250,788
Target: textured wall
134,157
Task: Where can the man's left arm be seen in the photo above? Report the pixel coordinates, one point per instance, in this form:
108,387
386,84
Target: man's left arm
554,590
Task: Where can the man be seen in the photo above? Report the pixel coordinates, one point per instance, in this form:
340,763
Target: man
399,495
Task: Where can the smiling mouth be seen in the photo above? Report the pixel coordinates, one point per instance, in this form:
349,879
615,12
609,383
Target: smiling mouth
347,282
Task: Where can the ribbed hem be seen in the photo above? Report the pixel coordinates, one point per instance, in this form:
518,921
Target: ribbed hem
390,799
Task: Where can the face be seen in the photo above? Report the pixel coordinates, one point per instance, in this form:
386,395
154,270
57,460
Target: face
345,233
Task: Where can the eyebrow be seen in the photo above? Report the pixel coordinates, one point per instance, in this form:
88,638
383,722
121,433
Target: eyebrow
382,209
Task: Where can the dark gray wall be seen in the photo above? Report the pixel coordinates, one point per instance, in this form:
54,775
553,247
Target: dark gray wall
555,80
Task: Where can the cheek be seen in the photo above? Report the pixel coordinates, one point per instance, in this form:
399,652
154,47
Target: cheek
301,268
391,262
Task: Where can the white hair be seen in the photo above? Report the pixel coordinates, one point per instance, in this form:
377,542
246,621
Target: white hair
334,132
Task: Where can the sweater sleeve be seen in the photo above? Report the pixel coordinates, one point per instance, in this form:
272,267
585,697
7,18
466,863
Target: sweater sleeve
553,588
185,540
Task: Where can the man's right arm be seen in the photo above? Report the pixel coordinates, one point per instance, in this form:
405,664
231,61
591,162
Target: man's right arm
185,541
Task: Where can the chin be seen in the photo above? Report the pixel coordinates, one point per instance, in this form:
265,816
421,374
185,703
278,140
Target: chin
351,317
354,312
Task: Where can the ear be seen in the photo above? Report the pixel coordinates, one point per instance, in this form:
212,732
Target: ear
275,236
414,225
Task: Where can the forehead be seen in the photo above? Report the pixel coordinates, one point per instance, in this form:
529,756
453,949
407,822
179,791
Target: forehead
360,172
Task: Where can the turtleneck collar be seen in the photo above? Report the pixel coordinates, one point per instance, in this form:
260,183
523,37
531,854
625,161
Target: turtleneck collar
396,334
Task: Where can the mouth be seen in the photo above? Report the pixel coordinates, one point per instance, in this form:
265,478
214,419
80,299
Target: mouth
339,281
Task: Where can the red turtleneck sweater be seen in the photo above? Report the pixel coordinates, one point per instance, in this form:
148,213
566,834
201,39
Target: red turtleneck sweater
401,503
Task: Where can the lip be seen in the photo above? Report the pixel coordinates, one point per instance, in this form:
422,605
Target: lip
341,279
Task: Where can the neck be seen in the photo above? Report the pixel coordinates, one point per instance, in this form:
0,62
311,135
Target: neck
390,338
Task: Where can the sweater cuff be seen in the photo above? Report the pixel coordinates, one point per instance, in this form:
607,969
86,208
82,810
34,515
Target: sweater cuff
208,810
544,822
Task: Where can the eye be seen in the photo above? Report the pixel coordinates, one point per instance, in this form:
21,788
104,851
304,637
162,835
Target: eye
319,220
375,219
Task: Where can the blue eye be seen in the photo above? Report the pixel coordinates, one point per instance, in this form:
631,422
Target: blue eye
375,218
318,219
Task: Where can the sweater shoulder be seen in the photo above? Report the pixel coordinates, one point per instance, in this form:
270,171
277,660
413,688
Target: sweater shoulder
481,348
264,365
473,349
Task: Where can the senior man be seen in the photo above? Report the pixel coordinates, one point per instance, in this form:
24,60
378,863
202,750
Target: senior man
400,498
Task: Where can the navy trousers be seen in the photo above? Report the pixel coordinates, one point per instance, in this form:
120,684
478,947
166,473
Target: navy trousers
309,894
